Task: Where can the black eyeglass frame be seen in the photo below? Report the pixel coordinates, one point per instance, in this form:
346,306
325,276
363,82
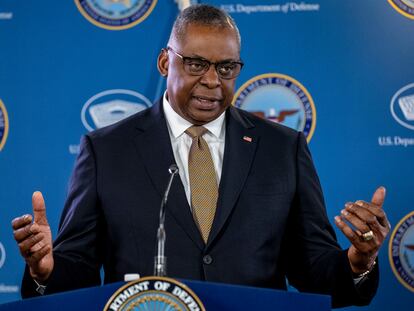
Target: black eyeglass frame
186,59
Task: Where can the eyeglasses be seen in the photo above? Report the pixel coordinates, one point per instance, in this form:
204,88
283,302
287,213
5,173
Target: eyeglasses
196,66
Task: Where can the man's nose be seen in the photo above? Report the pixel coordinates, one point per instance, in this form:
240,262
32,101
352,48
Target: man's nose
211,78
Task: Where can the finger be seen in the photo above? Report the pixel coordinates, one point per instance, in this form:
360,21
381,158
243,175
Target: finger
25,232
361,210
347,231
39,208
21,221
370,223
380,224
355,221
25,247
37,256
372,208
379,196
38,246
377,211
356,241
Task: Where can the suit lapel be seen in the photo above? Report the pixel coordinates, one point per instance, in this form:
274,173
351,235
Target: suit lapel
240,147
151,142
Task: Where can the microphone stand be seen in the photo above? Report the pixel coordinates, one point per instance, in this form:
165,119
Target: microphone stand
160,260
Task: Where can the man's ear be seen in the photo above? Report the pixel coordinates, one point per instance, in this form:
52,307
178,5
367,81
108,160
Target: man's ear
162,62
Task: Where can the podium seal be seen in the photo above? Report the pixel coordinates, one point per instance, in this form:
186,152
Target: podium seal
401,251
154,293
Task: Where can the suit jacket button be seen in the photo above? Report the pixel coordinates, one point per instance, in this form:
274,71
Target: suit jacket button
207,259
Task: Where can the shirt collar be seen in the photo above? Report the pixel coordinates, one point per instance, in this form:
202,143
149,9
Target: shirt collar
178,124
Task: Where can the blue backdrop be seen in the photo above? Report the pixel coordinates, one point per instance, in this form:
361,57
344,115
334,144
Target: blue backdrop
63,72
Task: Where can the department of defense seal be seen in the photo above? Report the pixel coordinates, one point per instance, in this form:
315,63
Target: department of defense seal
404,7
401,251
115,14
279,98
4,125
154,294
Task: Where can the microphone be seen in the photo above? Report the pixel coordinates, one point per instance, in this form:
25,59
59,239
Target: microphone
160,260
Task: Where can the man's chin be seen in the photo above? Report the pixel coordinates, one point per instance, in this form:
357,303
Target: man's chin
204,116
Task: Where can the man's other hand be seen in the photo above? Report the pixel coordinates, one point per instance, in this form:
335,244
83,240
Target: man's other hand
366,226
35,239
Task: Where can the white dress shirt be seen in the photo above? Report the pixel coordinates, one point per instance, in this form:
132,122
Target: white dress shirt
181,142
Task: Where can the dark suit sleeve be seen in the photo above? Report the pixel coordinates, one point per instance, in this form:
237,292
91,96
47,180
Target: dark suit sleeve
315,262
77,249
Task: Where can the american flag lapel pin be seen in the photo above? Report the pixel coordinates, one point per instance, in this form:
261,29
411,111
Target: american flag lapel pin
247,138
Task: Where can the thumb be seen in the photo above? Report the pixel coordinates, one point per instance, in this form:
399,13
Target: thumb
39,208
379,196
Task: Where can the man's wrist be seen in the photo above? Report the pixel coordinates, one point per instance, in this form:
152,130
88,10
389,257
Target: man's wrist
41,278
358,276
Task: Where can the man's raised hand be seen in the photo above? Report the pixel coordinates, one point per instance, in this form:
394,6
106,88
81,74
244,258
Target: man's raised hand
35,239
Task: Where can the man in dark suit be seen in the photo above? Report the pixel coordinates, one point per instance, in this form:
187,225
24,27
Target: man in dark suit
267,221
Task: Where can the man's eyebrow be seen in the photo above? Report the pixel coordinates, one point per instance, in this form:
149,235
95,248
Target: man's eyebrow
197,56
228,60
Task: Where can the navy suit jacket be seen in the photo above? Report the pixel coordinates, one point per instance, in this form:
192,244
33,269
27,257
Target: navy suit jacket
270,223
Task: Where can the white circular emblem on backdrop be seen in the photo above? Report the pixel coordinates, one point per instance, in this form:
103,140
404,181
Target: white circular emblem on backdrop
115,14
2,255
279,98
402,106
111,106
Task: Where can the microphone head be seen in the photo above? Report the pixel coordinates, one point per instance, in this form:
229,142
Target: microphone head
173,169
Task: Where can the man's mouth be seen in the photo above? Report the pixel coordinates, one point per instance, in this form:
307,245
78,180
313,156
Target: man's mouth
206,102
